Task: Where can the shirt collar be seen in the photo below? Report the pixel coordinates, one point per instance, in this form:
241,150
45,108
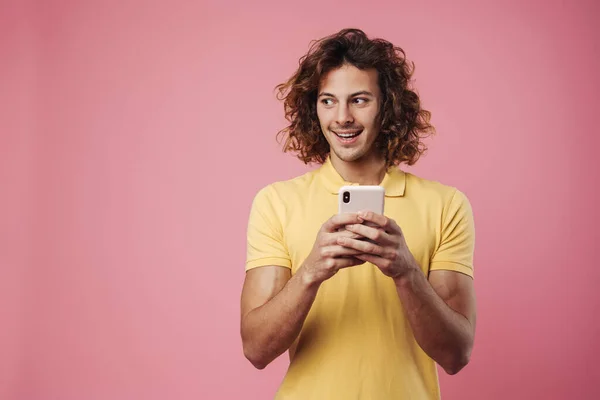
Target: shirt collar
394,181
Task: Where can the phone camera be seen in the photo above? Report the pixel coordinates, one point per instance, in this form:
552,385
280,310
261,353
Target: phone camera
346,197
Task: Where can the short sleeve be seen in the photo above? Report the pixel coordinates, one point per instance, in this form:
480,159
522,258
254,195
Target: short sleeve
457,238
265,244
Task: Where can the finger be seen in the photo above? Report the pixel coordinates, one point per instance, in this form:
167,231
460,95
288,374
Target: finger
387,224
332,238
380,262
377,235
362,246
348,262
340,220
336,251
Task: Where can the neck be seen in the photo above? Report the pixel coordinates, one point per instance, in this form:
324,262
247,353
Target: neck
365,171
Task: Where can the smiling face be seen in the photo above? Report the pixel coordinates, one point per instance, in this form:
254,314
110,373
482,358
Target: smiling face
347,108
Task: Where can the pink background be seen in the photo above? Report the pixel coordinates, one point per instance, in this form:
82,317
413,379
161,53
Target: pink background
135,134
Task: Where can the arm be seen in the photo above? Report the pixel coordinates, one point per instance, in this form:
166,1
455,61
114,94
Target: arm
274,307
441,311
275,304
442,314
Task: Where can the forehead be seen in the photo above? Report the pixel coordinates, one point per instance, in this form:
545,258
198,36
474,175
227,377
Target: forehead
348,79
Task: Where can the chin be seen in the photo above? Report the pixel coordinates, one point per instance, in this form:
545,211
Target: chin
350,156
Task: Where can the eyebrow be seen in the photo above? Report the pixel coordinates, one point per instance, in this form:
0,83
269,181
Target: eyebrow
362,92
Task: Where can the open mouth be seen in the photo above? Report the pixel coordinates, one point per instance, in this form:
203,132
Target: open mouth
347,136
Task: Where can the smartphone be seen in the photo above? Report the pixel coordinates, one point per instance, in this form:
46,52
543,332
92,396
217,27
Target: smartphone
352,199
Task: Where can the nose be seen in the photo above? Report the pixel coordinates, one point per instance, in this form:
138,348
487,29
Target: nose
344,116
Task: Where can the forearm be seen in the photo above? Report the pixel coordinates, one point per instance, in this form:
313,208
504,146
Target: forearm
269,330
444,334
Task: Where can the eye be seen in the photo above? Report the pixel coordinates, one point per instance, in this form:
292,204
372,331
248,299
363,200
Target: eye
361,100
327,102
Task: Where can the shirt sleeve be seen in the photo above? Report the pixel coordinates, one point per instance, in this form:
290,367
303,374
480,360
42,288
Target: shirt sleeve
265,245
457,238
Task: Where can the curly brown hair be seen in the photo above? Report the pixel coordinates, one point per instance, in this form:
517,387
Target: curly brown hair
403,123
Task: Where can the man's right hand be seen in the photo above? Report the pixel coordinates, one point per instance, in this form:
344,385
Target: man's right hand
327,257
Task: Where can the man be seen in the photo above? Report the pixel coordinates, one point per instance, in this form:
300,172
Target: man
362,319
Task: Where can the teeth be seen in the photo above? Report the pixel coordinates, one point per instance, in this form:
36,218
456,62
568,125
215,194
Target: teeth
348,135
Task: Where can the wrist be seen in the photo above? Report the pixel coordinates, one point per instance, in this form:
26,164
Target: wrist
308,279
407,277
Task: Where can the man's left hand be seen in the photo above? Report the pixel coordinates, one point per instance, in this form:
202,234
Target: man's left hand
387,247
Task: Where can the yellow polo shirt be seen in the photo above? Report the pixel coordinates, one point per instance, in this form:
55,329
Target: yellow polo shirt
356,342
